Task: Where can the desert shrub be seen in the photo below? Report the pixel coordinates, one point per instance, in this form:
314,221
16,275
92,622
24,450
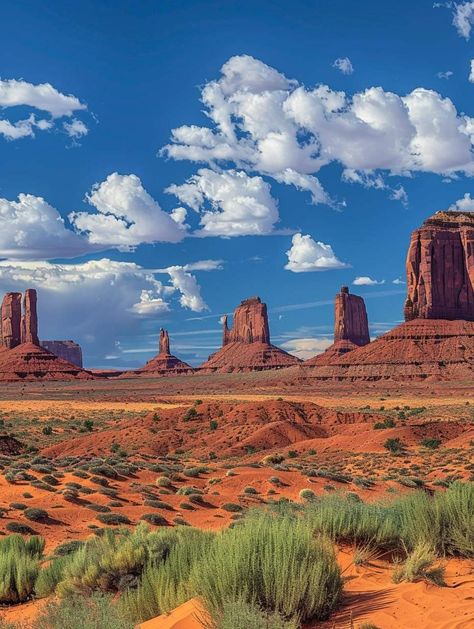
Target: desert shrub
250,490
394,445
67,548
87,613
232,507
258,559
154,518
165,582
307,494
163,481
19,527
445,520
19,566
213,425
240,614
50,480
98,508
431,444
190,414
20,506
419,565
194,472
115,560
157,504
187,491
49,576
196,499
273,459
113,518
35,514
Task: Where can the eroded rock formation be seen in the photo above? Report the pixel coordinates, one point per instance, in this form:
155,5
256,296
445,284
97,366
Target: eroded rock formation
29,319
437,340
11,320
164,363
67,350
350,318
440,268
351,328
246,346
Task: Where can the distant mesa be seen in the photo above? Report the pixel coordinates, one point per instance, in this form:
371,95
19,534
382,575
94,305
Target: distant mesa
440,268
246,346
67,350
437,340
351,328
21,355
164,363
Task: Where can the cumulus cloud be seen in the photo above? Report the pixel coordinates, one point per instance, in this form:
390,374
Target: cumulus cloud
466,204
261,122
43,97
344,65
364,280
127,215
306,255
76,128
463,18
99,301
471,71
306,348
32,228
230,203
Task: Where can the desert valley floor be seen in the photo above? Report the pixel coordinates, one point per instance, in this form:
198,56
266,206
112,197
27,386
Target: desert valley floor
86,450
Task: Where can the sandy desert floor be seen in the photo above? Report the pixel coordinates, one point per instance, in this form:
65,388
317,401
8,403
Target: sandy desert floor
84,450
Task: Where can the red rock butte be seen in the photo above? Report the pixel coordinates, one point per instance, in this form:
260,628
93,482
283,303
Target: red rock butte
440,268
67,350
21,355
437,340
246,346
164,363
351,328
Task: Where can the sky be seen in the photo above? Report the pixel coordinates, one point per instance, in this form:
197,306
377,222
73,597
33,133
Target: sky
160,161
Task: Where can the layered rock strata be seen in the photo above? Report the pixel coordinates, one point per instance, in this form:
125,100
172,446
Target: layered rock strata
440,268
67,350
246,346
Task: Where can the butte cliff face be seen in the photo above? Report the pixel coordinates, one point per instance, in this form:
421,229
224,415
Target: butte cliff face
164,363
11,320
22,357
351,328
246,346
437,340
67,350
440,268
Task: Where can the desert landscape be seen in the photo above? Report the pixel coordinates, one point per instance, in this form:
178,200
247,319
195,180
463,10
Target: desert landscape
236,314
132,498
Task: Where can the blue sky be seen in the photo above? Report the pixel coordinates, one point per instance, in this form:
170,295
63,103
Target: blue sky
279,149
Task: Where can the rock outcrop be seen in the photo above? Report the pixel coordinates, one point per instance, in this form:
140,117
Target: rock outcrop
21,355
440,268
164,363
421,349
67,350
31,362
29,319
437,340
246,346
351,328
11,320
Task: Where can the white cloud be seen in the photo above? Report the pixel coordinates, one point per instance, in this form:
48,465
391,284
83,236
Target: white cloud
306,255
263,123
463,18
445,75
471,71
31,228
99,301
466,204
127,215
399,194
397,281
307,347
367,281
344,65
43,97
76,128
229,203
